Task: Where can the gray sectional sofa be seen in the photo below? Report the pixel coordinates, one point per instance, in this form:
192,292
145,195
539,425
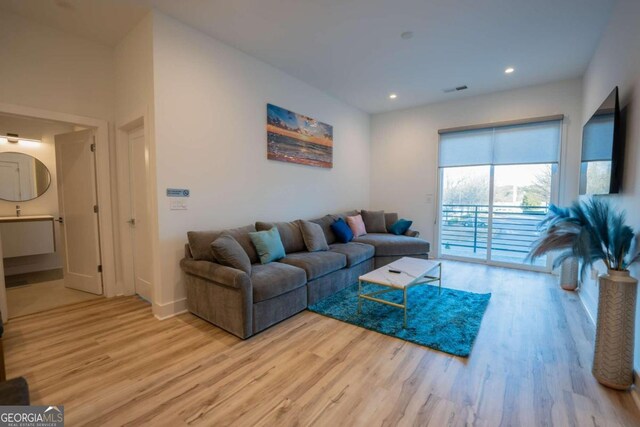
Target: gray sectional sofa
247,304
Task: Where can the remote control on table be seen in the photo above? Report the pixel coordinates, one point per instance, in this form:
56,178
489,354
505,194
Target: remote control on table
395,271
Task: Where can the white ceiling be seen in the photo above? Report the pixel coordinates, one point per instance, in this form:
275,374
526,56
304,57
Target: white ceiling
104,21
352,49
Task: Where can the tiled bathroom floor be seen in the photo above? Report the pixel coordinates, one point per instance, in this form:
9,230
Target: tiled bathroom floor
34,298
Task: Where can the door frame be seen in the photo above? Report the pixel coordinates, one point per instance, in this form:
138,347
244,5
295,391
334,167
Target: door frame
103,182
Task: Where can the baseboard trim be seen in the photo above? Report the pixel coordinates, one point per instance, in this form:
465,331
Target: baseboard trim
585,306
170,309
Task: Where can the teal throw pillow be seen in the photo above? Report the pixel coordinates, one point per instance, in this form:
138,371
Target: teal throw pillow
400,226
268,244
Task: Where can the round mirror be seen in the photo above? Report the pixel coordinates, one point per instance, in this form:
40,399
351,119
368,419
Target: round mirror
22,177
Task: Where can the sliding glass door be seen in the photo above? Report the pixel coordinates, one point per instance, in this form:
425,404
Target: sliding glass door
490,212
521,198
464,225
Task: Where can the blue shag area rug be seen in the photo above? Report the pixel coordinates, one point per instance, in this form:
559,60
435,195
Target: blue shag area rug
448,322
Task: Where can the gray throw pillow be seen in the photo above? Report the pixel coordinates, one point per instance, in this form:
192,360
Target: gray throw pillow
228,252
374,221
313,236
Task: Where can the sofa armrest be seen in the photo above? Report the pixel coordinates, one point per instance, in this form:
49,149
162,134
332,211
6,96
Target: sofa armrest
412,233
213,272
221,295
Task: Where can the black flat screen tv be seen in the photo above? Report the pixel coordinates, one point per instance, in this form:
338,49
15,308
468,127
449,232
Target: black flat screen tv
603,149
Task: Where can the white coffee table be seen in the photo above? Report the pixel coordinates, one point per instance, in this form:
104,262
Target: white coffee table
413,271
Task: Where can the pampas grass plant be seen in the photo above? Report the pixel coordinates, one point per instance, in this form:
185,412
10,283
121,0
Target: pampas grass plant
590,231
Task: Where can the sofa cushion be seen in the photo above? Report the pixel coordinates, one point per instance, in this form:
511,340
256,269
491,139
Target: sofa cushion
268,245
228,251
392,245
390,218
313,236
345,214
316,264
374,221
356,225
200,242
290,234
274,279
356,253
325,222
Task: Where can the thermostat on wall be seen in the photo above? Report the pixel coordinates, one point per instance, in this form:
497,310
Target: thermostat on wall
177,192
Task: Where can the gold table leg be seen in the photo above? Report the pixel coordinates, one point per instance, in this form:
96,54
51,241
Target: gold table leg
370,296
405,308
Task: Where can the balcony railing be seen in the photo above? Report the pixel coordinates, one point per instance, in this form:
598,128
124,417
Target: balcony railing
465,230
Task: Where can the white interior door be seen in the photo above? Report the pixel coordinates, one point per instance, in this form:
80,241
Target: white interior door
10,180
80,238
139,220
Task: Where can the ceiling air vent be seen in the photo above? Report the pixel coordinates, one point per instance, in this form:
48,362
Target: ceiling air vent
456,89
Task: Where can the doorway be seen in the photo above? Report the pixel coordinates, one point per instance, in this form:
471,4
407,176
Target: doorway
50,228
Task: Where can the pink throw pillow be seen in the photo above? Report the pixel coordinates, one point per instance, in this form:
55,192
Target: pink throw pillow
356,224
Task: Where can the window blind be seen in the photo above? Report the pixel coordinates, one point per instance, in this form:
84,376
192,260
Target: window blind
502,145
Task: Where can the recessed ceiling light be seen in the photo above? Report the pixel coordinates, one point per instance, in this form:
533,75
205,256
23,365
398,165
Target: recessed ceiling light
407,35
509,70
393,96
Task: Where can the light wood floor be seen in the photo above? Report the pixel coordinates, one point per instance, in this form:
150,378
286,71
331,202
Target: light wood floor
110,362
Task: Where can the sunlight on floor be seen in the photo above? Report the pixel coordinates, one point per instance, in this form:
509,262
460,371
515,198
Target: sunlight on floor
43,296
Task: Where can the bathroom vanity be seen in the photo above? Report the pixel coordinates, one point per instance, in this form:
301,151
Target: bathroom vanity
27,235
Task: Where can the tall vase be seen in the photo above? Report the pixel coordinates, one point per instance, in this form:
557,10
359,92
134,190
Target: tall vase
569,274
613,358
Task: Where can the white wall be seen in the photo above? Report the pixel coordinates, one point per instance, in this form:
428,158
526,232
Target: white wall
404,144
47,204
48,69
133,107
62,74
210,137
616,62
134,72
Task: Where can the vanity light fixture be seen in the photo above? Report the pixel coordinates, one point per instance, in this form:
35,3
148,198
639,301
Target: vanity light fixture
509,70
393,96
13,138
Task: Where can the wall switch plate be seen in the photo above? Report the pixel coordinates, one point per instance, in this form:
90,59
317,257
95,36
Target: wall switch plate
429,199
178,205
